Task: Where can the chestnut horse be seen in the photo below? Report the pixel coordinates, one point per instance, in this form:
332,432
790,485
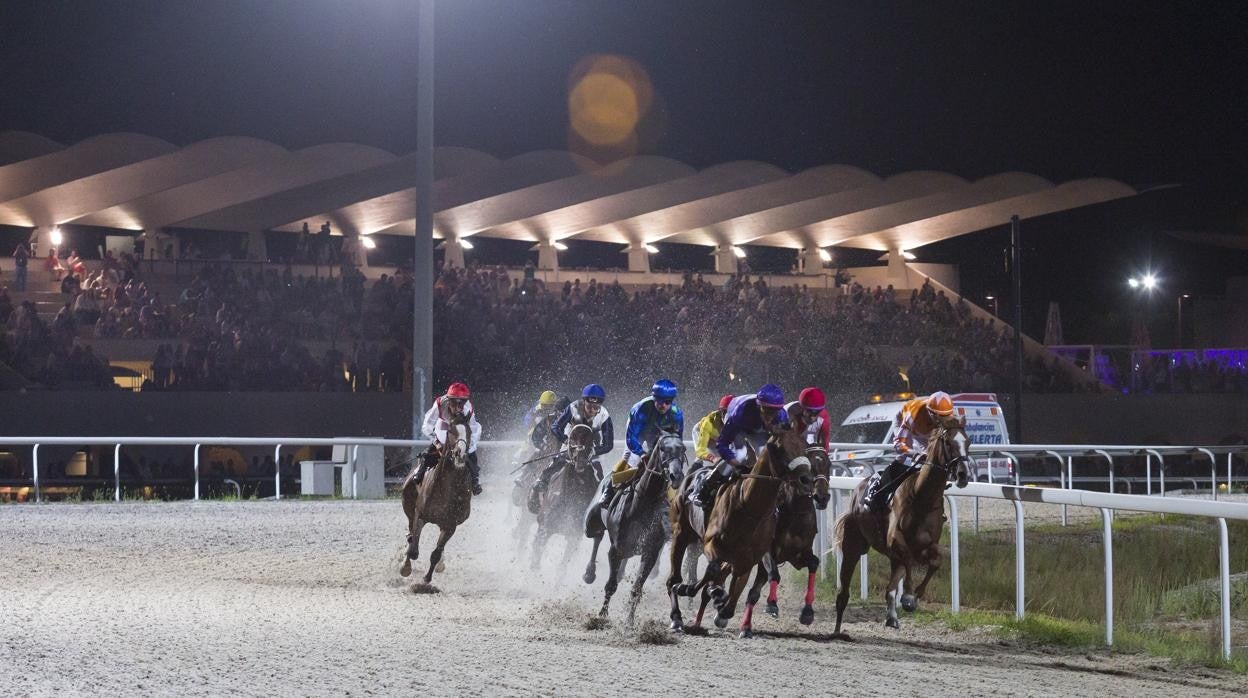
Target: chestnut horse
740,530
797,524
909,533
443,498
561,507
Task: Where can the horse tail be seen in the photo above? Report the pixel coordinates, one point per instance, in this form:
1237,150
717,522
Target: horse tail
838,530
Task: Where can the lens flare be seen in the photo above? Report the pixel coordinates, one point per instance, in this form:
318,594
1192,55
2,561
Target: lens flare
608,97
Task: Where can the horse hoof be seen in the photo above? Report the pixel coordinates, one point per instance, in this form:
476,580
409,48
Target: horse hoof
677,627
807,617
909,602
746,634
773,610
685,590
406,569
721,622
892,623
441,567
589,577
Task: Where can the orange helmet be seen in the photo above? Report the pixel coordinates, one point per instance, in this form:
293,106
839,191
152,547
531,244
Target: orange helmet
940,403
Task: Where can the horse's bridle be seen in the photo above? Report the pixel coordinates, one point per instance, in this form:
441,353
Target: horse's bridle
663,464
948,467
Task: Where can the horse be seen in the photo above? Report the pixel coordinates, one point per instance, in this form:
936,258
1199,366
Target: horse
634,520
560,508
797,524
909,533
443,497
528,475
740,530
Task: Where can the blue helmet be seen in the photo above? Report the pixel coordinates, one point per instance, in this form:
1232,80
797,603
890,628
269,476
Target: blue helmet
770,395
663,389
594,391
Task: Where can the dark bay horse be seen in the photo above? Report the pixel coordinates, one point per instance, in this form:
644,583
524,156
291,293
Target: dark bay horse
561,508
740,530
797,525
635,520
909,533
443,498
528,473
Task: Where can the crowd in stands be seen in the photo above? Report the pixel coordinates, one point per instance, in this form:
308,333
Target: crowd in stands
1161,374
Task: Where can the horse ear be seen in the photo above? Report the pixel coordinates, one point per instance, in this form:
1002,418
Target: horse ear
962,421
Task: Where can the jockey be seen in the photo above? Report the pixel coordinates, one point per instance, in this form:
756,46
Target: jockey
706,432
809,415
545,407
590,412
647,420
915,423
750,418
452,407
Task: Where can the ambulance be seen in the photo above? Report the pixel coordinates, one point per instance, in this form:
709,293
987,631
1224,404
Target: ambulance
875,423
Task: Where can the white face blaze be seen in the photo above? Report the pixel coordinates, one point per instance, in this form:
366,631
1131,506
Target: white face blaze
799,462
962,442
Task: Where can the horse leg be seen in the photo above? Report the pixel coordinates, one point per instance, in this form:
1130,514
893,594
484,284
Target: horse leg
933,563
413,540
413,545
569,549
714,578
756,589
591,569
853,545
808,610
615,562
692,552
444,534
890,591
729,609
773,584
539,545
706,599
649,560
680,542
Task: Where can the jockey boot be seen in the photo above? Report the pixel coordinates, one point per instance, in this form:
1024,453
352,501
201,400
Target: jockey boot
474,471
721,475
881,488
427,461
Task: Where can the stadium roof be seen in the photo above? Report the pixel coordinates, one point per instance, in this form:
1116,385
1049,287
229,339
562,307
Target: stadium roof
134,182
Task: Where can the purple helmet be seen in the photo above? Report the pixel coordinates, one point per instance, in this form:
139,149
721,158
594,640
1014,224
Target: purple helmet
770,395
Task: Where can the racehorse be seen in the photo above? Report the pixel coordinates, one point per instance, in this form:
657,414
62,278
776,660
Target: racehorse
443,497
909,533
740,530
528,475
635,520
561,507
797,524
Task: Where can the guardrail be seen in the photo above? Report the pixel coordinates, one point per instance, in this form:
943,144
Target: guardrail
1106,502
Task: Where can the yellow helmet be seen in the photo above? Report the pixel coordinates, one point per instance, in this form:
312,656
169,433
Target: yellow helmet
548,398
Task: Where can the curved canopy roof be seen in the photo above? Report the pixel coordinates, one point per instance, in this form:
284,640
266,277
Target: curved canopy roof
135,182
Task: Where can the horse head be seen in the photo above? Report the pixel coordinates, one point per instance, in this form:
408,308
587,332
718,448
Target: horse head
668,457
455,452
821,468
580,447
786,456
950,449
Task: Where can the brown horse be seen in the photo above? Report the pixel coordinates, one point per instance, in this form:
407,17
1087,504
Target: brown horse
528,473
442,498
797,524
740,530
561,507
909,533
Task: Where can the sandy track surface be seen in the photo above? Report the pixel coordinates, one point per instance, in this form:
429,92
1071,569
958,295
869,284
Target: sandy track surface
303,598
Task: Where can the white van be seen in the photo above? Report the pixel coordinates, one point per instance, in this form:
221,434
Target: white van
876,423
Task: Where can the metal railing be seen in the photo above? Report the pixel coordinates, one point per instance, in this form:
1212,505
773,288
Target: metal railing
1107,503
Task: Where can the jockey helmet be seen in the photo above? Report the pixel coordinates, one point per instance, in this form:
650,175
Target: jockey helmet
458,391
770,395
940,403
725,401
548,398
663,389
593,391
812,399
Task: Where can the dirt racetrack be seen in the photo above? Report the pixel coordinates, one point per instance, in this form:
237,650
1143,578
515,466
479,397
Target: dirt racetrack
303,598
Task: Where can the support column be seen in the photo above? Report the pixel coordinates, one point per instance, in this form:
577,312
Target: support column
547,256
725,260
159,238
41,240
638,258
257,246
811,261
452,254
896,268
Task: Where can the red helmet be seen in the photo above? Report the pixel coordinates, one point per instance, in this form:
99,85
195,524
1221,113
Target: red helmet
723,401
812,399
458,391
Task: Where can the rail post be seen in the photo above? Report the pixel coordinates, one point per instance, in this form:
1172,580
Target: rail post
1152,453
1213,473
196,461
1061,477
1105,454
1018,467
277,472
1230,455
34,464
1224,569
976,516
955,586
862,577
1019,590
117,473
1148,473
355,482
1107,528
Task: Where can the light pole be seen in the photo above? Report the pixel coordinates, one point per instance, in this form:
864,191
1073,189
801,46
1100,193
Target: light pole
995,310
1178,334
422,263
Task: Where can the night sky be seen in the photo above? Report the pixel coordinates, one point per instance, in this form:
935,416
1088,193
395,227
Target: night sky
1153,94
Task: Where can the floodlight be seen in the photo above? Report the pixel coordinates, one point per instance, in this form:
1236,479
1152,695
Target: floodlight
740,253
825,255
465,243
368,242
560,246
56,237
650,248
